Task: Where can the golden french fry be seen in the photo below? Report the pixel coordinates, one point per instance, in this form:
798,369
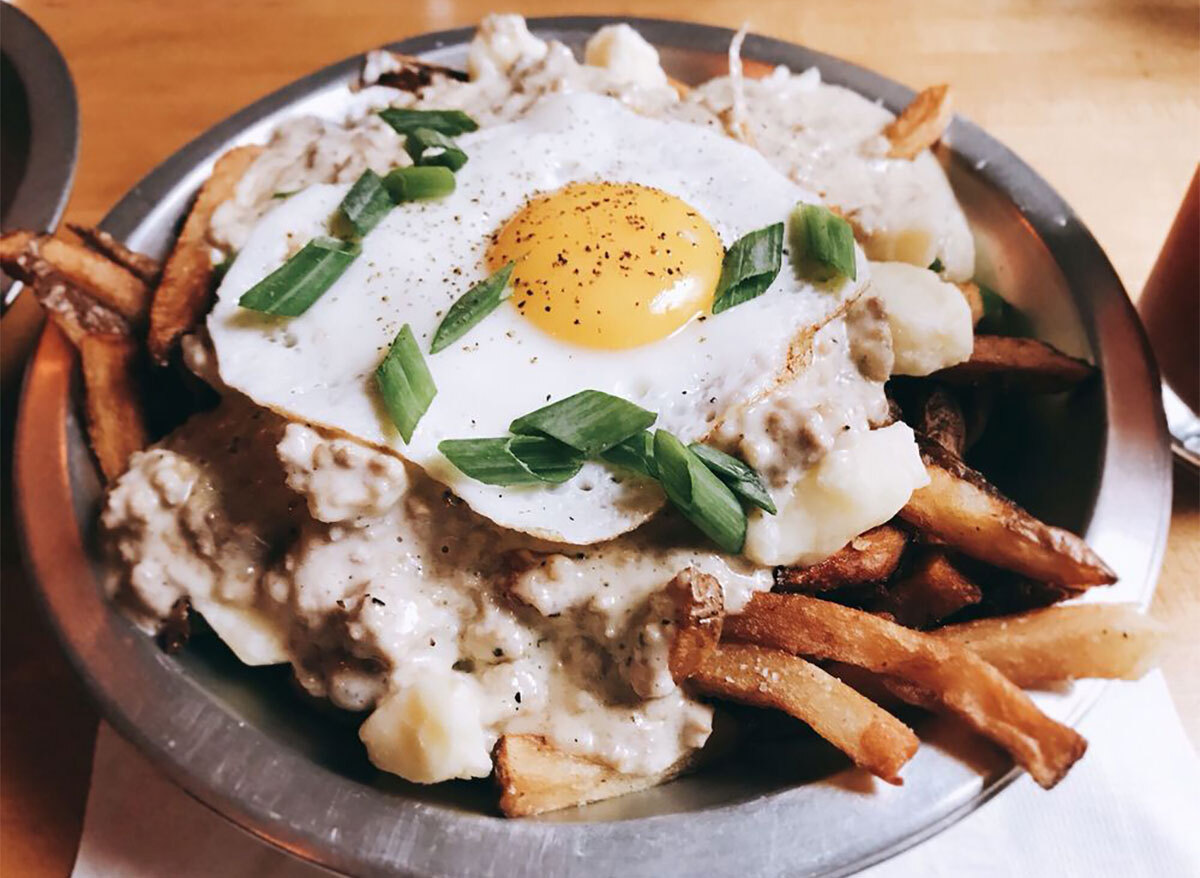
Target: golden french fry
921,124
871,556
974,299
1022,363
932,589
75,313
144,267
1041,647
699,610
868,734
12,246
183,293
105,281
930,669
535,777
960,508
116,422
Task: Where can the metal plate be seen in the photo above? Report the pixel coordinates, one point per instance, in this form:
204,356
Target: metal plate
39,137
239,742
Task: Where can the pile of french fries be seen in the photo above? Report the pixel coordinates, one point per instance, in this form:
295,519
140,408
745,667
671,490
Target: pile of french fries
832,643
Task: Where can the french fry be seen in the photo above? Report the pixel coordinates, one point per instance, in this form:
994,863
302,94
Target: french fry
1042,647
75,313
871,556
974,299
960,508
869,735
414,74
921,124
116,422
535,777
1024,364
699,611
930,670
105,281
183,293
940,418
931,590
144,267
12,246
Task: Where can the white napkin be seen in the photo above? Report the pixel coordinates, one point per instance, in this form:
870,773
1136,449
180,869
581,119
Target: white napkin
1131,807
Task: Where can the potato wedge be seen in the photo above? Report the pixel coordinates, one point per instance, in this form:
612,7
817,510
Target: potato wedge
116,422
934,670
1024,364
144,267
183,293
749,674
939,417
103,280
1042,647
961,509
974,299
699,611
921,124
932,589
535,777
871,556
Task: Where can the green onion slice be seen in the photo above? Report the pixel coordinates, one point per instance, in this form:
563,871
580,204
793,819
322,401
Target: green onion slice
740,477
367,202
591,421
404,383
635,453
1000,317
475,304
936,266
696,492
749,267
513,460
822,244
448,122
428,147
291,289
419,183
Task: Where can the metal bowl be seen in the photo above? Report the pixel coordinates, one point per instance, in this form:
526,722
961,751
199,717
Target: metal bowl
237,740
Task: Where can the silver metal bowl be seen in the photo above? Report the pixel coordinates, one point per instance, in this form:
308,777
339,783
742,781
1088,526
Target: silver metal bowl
240,742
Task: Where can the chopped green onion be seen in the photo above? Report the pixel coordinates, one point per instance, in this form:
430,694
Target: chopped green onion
696,492
282,195
419,184
635,453
475,304
367,202
936,266
291,289
404,382
428,147
749,267
590,421
1000,317
740,477
513,460
822,244
449,122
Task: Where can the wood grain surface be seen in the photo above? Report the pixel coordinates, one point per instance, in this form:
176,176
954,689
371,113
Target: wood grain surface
1100,97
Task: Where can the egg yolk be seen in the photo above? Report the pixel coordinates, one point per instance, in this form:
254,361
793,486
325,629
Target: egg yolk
609,265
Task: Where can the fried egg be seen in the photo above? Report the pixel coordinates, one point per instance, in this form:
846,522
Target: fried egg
617,225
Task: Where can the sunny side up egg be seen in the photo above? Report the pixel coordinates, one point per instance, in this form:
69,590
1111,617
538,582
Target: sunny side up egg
617,224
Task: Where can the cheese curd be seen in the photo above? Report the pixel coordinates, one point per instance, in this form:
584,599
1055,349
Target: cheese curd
388,595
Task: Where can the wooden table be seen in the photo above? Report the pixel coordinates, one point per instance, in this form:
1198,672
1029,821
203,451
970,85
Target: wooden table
1099,97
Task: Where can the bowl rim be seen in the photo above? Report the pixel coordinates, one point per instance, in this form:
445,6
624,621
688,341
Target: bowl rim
250,784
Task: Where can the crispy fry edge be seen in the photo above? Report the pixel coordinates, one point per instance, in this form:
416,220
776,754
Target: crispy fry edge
116,421
921,124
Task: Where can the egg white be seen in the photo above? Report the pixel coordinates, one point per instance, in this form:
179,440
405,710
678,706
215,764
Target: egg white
319,367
